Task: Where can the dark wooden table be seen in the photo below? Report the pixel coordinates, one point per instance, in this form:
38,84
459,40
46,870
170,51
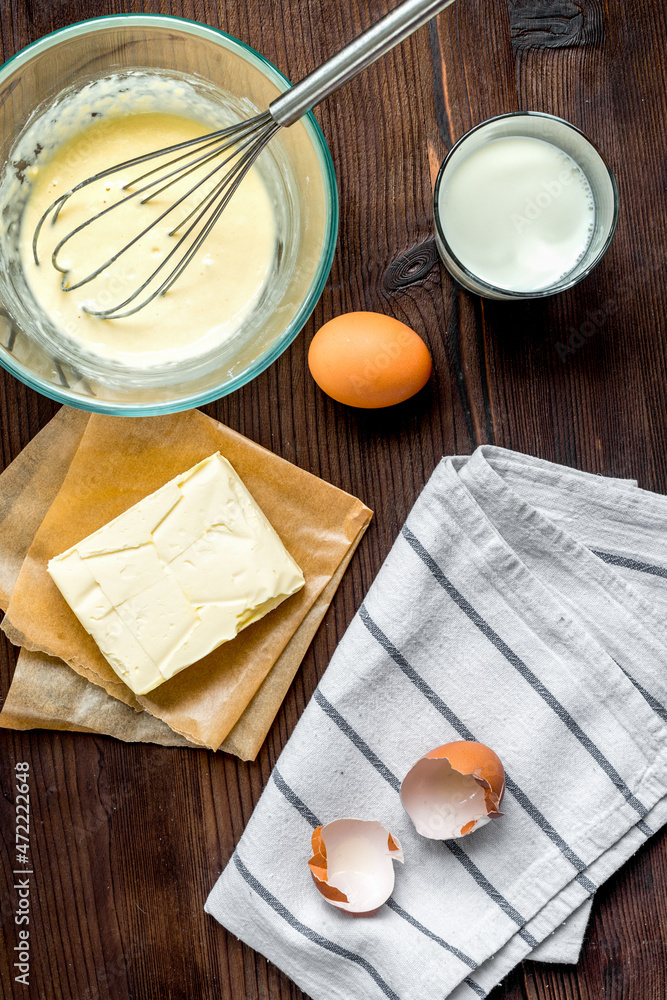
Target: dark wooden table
127,840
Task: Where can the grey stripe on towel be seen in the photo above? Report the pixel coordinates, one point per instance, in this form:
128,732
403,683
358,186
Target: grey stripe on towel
500,615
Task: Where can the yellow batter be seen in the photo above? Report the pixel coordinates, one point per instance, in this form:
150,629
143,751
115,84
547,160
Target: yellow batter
215,294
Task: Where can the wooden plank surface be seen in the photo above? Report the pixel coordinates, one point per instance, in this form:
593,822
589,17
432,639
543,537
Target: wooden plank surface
127,840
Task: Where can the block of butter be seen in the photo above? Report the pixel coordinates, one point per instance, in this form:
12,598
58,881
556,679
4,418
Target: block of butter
178,574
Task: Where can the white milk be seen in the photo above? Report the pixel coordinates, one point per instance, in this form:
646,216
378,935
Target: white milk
517,213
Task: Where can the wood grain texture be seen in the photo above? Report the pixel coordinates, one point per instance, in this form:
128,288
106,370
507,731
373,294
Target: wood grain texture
127,840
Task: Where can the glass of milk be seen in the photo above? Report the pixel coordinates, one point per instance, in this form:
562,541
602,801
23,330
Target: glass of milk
525,206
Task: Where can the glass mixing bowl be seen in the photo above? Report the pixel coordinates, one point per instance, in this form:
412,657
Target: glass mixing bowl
298,169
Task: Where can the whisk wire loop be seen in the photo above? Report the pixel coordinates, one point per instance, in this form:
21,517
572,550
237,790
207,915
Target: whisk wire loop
247,139
175,175
232,134
215,202
181,173
59,202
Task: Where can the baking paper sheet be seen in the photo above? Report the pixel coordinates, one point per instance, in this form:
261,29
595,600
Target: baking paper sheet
97,467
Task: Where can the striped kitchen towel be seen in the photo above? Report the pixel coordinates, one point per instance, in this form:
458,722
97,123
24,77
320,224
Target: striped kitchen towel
522,605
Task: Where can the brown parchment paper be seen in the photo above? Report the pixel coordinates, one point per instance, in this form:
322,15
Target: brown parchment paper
236,691
46,694
28,487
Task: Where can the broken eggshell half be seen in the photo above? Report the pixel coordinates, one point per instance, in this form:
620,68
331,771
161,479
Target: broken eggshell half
352,864
453,790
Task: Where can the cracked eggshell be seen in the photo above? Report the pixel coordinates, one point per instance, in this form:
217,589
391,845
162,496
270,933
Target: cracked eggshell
454,789
352,864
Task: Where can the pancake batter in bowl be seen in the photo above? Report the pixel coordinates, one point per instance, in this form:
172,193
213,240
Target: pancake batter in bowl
209,302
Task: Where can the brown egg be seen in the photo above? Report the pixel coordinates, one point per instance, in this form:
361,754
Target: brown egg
369,360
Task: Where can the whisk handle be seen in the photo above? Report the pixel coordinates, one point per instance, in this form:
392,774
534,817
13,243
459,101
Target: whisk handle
393,28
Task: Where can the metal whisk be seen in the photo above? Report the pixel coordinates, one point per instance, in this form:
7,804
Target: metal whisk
231,151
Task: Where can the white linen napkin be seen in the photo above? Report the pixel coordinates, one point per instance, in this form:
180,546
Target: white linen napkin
522,606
